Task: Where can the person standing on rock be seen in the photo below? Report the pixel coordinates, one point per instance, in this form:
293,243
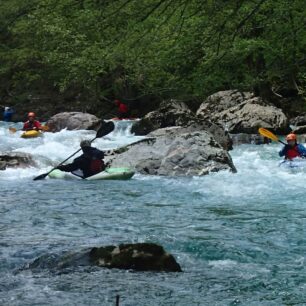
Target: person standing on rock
292,149
89,163
32,124
123,110
8,114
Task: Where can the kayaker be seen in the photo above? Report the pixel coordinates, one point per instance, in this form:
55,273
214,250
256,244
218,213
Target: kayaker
7,114
32,124
89,163
123,110
292,149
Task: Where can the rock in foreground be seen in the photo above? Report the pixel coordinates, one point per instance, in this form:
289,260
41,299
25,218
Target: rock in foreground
138,256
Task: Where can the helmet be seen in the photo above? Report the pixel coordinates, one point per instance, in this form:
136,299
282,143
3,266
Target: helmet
291,137
31,114
85,143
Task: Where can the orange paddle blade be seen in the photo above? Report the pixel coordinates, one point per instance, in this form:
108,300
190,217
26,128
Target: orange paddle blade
12,130
268,134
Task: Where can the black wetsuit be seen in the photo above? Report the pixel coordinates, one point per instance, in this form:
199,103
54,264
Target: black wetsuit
90,162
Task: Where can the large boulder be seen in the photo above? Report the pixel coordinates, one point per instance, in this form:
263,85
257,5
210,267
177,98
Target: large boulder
73,121
169,113
176,113
241,112
15,160
138,256
174,151
298,124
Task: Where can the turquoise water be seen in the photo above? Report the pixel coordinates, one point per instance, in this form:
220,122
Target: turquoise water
239,238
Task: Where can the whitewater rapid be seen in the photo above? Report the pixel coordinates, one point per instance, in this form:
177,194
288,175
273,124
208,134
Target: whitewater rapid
239,238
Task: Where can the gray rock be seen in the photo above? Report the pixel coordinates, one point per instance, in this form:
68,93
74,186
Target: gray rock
15,160
175,151
176,113
243,113
223,100
169,113
73,121
299,120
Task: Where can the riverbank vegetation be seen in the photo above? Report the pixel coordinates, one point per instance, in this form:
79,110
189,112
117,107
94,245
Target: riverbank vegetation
93,51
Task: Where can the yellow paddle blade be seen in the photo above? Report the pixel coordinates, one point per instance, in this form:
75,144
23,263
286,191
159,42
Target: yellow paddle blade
12,130
267,134
45,128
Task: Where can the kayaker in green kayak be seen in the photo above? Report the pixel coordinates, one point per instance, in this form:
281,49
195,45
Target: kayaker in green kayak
89,163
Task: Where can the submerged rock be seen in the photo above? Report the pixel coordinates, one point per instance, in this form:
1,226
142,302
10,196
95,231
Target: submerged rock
15,160
139,257
175,151
73,121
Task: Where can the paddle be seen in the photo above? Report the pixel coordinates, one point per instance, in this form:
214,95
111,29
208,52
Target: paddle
105,129
269,135
44,128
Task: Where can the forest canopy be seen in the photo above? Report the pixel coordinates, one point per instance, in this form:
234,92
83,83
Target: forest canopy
177,48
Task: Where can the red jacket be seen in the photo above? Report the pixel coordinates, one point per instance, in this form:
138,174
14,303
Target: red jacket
34,125
123,108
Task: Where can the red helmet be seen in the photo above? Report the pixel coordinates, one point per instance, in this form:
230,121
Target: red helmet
291,137
31,114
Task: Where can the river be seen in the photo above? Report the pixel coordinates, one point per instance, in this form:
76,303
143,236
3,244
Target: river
239,238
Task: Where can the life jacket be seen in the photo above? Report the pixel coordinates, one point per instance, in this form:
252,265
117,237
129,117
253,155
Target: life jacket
293,152
96,166
31,125
123,108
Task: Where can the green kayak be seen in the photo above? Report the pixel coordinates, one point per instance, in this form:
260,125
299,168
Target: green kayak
107,174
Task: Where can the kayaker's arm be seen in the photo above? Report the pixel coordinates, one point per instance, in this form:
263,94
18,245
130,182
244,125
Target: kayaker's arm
283,151
75,165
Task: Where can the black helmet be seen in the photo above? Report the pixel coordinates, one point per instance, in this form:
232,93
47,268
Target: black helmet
85,143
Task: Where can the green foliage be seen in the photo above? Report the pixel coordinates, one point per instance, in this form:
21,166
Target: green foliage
170,48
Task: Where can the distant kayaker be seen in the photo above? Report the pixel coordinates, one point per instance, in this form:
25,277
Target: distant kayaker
32,124
123,110
8,114
292,149
89,163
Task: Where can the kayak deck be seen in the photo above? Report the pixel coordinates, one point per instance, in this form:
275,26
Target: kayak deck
295,164
31,134
108,174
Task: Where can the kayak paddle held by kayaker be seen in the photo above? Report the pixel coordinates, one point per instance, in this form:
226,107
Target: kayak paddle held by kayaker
292,149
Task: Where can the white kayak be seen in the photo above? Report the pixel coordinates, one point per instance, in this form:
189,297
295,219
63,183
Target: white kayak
296,163
107,174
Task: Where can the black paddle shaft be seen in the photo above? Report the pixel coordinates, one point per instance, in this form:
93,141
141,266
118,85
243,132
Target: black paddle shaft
105,129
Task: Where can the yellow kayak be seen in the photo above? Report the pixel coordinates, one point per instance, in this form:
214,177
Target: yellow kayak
31,134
